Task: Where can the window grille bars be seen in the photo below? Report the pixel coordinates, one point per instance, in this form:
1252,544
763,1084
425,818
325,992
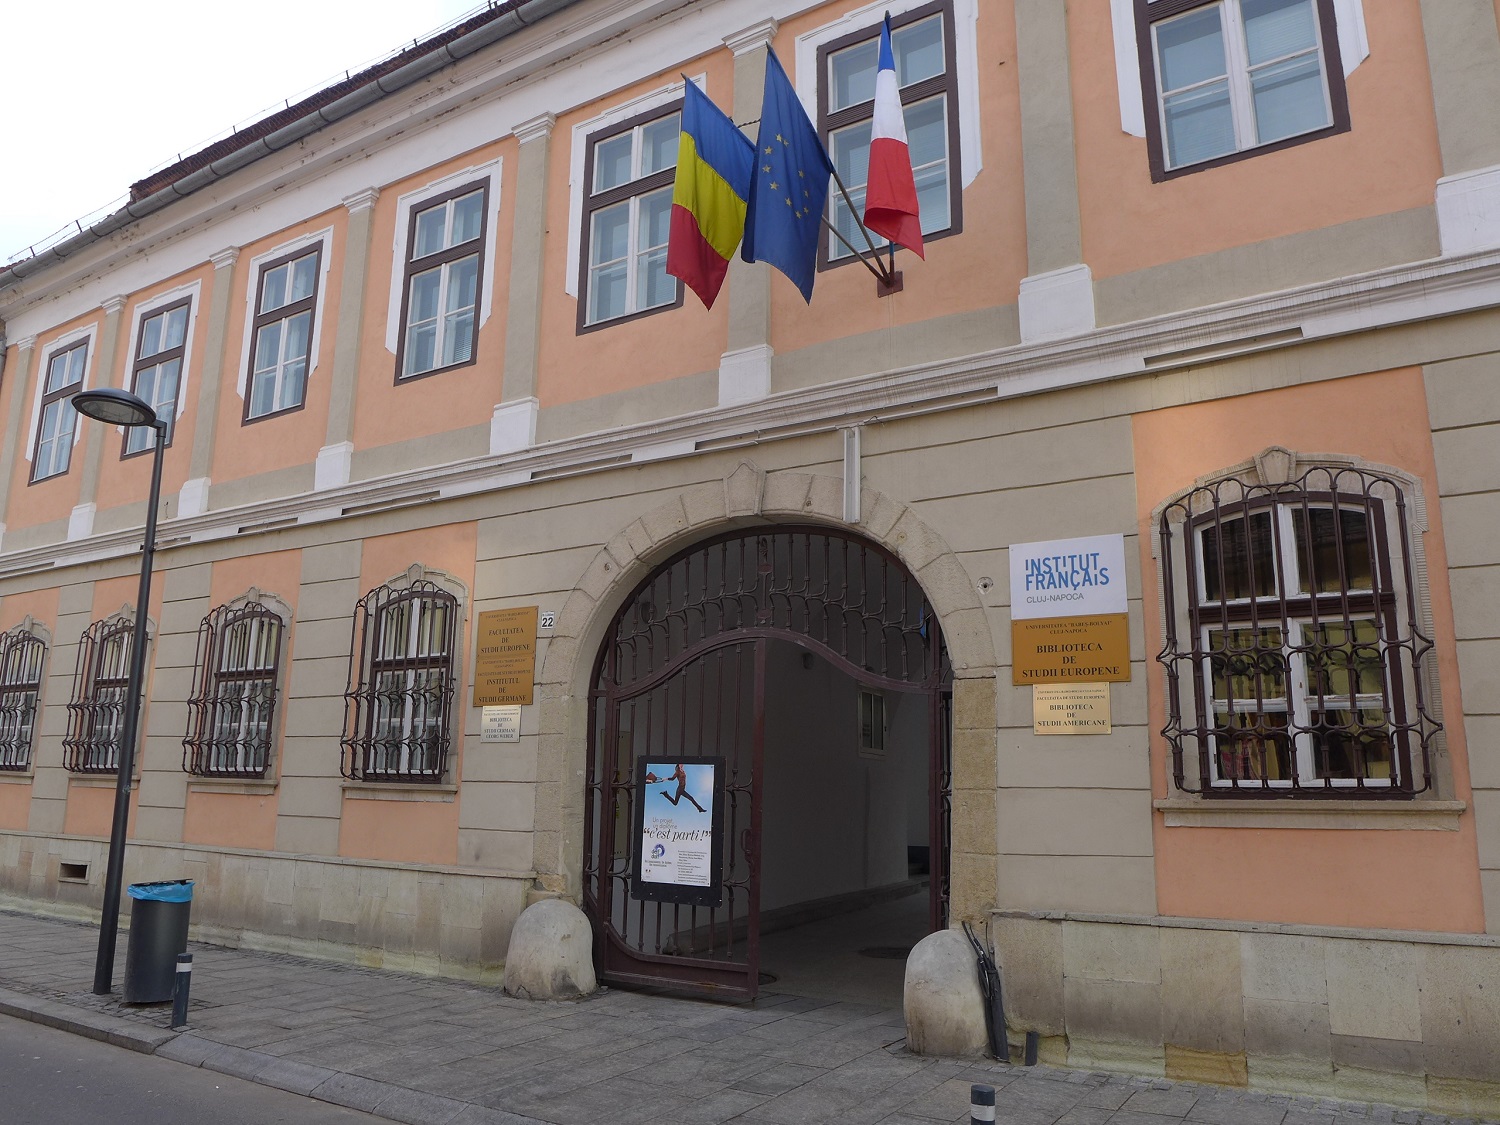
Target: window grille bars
96,713
1295,659
396,710
232,709
22,655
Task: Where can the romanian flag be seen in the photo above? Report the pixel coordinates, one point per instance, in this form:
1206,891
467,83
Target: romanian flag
714,160
891,197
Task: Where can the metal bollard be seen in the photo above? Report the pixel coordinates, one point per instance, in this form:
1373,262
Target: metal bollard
181,988
981,1104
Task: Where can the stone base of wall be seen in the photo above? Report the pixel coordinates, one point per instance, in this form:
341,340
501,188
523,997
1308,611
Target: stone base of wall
1389,1016
451,922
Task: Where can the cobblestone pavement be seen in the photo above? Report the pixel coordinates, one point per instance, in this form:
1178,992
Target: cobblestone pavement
436,1052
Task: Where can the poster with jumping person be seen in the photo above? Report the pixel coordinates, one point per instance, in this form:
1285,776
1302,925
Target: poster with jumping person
679,828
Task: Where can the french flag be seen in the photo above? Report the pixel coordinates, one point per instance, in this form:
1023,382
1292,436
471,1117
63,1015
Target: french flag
891,195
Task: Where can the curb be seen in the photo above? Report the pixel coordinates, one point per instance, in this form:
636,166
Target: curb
92,1025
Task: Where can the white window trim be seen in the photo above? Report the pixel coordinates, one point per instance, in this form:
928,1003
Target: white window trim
406,205
966,65
323,239
578,152
44,352
1354,48
193,291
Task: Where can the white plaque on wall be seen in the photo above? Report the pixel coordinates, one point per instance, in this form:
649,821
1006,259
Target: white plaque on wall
501,724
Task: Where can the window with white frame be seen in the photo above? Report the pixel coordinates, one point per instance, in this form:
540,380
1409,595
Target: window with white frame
627,214
280,350
922,44
401,682
23,652
1225,78
1296,658
444,273
232,709
58,420
156,373
96,713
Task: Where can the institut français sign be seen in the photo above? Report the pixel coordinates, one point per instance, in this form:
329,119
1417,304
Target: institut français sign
1070,627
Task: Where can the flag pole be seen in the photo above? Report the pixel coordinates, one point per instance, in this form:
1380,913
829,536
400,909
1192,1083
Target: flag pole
849,203
833,230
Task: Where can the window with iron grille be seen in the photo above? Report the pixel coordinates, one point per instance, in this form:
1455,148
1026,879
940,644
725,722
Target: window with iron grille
1223,79
232,709
396,711
96,713
1296,656
22,654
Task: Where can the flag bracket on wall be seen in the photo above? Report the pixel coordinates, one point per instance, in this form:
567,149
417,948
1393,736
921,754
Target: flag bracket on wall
893,283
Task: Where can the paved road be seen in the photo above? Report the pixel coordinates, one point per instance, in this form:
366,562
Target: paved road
51,1076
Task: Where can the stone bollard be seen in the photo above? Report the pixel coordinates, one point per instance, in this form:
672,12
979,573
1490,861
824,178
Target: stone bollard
551,954
944,1007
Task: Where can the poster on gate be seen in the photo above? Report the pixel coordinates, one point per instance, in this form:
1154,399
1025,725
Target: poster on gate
679,831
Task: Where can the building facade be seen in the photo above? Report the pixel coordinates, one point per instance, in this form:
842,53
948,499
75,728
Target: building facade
1217,278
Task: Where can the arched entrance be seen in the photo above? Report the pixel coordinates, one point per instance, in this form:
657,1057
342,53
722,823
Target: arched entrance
683,675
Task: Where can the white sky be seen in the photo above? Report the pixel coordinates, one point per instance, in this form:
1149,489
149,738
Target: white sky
102,92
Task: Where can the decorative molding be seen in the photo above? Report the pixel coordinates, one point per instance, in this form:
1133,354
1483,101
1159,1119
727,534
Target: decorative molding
513,426
361,200
1468,211
112,306
745,374
81,521
534,128
752,38
1057,304
333,466
223,259
1430,816
192,500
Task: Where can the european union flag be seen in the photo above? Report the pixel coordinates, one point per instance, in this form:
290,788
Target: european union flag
790,185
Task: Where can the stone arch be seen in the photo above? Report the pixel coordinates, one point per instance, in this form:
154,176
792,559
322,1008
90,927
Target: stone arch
745,498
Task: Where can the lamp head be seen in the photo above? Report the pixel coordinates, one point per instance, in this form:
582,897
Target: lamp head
117,407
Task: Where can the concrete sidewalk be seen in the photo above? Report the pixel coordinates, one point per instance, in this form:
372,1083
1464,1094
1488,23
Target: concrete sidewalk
437,1052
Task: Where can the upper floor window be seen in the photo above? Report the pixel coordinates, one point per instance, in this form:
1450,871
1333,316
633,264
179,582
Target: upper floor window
401,680
444,271
58,420
923,48
627,214
1223,78
96,713
1295,658
156,372
22,654
233,705
282,344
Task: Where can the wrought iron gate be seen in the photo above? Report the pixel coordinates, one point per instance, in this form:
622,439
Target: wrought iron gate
682,672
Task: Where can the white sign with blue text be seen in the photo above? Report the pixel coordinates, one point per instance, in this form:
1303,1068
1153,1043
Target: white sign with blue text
1067,577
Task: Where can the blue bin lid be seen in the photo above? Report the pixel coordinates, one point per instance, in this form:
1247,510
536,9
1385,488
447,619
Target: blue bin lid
175,890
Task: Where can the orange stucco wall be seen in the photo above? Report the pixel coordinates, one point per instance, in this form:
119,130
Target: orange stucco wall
1129,223
465,396
980,268
1422,880
91,808
659,346
230,820
400,831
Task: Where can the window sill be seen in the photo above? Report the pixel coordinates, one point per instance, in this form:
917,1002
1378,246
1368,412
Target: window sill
398,791
1194,812
251,786
99,781
17,777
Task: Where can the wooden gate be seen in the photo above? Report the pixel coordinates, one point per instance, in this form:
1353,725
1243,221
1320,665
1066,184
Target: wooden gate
682,673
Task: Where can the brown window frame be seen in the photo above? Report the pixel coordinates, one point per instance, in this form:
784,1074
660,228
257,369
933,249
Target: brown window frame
370,753
413,266
261,320
49,397
946,84
23,660
96,713
610,197
246,694
1277,656
1151,12
141,363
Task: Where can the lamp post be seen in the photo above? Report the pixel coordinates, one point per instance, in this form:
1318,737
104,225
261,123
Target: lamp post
121,408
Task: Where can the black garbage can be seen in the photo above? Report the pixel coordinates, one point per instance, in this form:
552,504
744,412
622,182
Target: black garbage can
158,933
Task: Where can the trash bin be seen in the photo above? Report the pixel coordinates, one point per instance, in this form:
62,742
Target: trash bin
158,933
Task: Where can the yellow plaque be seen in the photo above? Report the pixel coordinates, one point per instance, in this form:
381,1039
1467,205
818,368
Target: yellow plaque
505,657
1070,709
1053,650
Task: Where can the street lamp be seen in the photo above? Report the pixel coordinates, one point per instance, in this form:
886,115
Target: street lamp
121,408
